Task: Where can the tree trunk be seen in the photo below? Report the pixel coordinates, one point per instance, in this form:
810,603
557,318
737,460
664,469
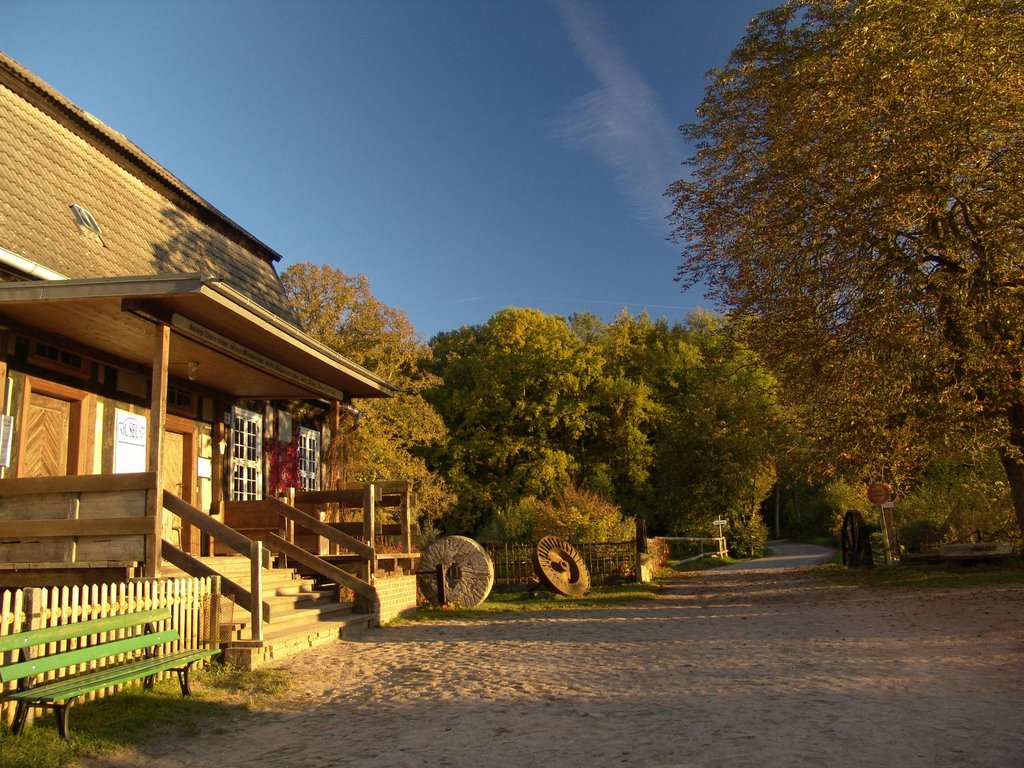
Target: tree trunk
1013,461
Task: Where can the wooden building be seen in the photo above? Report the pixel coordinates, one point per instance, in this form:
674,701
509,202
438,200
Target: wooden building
159,398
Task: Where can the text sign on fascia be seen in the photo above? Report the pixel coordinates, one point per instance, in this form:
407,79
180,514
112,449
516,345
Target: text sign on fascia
252,357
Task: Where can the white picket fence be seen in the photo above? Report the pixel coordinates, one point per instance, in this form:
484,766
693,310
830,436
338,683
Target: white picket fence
192,602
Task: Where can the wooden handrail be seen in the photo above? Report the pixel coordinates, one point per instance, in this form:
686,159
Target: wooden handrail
352,496
222,533
348,497
335,574
195,567
258,557
323,529
135,481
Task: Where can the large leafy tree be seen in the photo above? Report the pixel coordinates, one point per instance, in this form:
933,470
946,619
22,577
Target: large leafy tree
339,310
858,192
515,401
615,452
714,443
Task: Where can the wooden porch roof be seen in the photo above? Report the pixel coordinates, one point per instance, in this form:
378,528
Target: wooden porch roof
240,348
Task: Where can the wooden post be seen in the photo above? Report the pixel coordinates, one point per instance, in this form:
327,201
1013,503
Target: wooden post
289,526
407,505
74,511
370,528
256,589
157,421
442,586
214,623
5,397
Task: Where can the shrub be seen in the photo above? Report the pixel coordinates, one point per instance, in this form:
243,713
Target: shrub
576,515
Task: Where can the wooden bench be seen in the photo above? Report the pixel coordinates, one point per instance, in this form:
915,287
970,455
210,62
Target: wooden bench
139,640
963,554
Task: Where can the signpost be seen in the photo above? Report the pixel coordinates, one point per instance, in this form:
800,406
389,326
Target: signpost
721,523
880,495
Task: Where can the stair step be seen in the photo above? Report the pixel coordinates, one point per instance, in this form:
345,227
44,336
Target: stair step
308,618
284,610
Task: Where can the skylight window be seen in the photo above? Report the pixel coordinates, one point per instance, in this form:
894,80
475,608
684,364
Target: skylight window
84,219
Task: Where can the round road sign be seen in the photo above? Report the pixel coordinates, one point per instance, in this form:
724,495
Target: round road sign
878,493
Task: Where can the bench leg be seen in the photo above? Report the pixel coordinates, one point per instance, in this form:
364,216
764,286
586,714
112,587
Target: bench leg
61,712
20,717
183,679
147,683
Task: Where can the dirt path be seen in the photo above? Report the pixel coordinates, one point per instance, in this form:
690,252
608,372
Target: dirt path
742,669
784,554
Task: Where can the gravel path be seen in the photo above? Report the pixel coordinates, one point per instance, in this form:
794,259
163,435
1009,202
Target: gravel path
768,668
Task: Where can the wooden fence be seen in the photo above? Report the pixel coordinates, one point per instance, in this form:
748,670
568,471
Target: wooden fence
191,601
608,562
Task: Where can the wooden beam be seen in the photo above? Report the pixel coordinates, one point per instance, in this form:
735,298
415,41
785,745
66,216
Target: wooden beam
100,526
157,422
135,481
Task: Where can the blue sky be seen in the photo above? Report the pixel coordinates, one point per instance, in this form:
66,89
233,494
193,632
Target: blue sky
464,155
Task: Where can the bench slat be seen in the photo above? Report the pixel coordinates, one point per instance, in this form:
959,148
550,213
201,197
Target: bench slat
44,635
71,687
57,661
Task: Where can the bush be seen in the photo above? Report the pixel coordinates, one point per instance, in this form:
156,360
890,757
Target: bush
747,537
576,515
954,500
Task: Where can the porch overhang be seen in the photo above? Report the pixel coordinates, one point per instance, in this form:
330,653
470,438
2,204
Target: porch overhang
221,340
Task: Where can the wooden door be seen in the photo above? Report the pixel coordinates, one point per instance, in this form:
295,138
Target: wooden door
47,425
178,475
172,464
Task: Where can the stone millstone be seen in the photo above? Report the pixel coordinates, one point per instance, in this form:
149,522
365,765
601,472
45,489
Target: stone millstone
469,572
560,567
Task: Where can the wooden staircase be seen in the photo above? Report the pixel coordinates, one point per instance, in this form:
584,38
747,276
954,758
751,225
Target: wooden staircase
301,616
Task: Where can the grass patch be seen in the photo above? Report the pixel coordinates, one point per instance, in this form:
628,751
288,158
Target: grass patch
133,716
922,575
538,600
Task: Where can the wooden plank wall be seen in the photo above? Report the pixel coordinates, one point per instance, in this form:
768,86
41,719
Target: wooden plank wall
190,601
37,508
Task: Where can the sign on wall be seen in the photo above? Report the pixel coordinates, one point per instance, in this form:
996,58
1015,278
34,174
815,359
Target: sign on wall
129,442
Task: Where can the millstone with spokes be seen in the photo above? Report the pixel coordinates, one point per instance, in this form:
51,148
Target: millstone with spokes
560,567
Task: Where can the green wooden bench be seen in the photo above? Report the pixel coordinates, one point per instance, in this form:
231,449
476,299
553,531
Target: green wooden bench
139,642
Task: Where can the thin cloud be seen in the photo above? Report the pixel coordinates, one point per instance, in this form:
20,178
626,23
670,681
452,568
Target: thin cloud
621,122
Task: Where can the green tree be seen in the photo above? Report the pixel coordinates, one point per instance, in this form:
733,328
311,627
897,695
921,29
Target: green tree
714,446
858,192
515,400
339,310
615,452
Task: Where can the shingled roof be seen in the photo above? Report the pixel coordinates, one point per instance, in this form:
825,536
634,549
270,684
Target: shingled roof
55,155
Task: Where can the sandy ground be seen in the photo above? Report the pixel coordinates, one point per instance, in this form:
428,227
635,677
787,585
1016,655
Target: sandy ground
764,668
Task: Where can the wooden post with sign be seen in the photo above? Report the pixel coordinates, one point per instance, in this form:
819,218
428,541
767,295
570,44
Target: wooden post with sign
880,495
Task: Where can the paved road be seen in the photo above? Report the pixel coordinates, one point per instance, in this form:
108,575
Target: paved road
785,554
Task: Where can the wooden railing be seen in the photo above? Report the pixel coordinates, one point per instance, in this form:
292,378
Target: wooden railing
251,599
288,517
375,502
324,568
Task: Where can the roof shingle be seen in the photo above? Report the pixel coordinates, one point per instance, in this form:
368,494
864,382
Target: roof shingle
53,155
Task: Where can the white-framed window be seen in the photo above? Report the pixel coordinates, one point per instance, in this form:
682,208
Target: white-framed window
245,443
309,459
